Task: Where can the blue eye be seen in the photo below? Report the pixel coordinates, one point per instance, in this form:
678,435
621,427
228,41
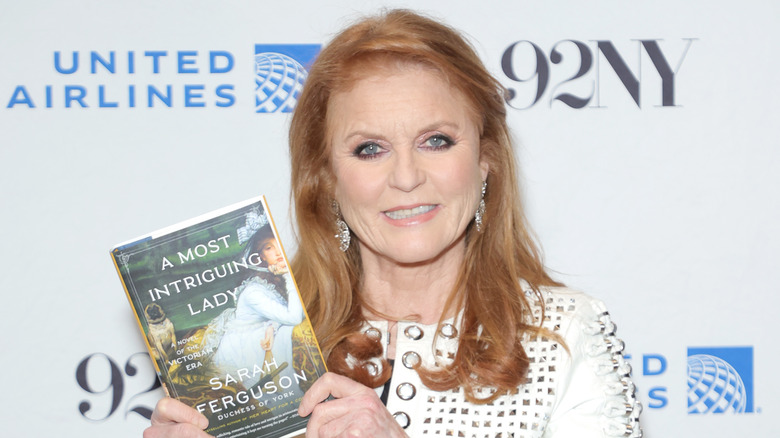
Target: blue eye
367,150
438,141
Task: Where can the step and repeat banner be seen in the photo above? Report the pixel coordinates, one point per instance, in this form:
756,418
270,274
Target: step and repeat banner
647,134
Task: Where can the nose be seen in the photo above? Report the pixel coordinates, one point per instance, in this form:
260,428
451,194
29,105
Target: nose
407,172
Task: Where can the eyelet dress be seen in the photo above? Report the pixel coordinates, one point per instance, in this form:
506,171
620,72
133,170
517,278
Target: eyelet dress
583,393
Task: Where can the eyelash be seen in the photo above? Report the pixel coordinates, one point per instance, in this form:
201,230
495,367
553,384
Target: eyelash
447,142
360,150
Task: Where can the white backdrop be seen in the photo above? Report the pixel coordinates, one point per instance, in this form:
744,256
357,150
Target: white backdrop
665,209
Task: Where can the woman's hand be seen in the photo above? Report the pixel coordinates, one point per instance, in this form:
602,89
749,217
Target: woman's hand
268,341
356,410
279,268
172,418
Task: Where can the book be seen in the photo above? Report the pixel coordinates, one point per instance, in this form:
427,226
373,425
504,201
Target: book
223,319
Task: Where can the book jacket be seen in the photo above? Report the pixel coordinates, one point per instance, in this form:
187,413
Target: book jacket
223,319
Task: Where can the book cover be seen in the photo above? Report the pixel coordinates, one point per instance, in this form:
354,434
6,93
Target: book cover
223,319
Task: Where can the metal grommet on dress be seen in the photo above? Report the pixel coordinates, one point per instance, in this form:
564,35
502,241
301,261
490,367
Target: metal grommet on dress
410,359
402,419
413,332
406,391
448,331
373,333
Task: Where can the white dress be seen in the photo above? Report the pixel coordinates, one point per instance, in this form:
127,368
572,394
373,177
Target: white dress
259,305
585,394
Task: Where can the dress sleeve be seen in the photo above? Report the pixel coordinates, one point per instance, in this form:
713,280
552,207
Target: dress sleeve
596,397
260,299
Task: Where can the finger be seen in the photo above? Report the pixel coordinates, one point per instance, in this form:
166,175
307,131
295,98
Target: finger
343,427
316,428
353,416
172,411
340,410
327,385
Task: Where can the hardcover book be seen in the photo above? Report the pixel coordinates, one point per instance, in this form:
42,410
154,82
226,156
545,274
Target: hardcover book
223,319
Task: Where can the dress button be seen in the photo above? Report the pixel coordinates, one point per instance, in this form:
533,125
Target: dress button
373,333
406,391
448,331
413,332
410,359
372,369
402,419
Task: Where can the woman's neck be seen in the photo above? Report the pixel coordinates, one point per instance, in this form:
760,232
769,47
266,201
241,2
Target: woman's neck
404,291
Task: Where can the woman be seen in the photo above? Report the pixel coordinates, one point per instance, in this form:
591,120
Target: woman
265,316
399,146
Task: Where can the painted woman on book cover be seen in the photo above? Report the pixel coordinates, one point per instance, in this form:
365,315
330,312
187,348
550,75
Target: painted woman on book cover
262,322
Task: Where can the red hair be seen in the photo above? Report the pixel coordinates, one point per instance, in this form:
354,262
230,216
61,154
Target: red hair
488,289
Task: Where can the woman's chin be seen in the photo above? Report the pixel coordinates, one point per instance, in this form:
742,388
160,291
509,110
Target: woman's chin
421,253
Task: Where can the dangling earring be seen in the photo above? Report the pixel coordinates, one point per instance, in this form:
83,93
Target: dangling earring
481,209
343,234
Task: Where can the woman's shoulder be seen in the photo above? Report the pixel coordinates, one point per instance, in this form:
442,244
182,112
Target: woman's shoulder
567,293
258,288
595,376
260,281
581,320
564,304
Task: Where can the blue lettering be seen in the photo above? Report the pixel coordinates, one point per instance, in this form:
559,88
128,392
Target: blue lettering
156,59
647,358
152,92
48,96
193,92
109,65
25,98
102,99
66,71
131,96
658,397
225,92
131,62
181,56
213,68
75,93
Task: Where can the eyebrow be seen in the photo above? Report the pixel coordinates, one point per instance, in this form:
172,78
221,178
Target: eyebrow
429,127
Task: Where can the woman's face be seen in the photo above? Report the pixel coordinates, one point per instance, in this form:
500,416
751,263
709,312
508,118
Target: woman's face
405,153
272,255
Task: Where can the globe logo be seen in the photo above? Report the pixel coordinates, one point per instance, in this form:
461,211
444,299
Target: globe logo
714,386
279,80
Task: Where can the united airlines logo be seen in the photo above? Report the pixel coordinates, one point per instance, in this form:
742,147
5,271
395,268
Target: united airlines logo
720,380
280,71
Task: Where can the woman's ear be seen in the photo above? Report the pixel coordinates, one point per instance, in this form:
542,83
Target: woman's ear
484,168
